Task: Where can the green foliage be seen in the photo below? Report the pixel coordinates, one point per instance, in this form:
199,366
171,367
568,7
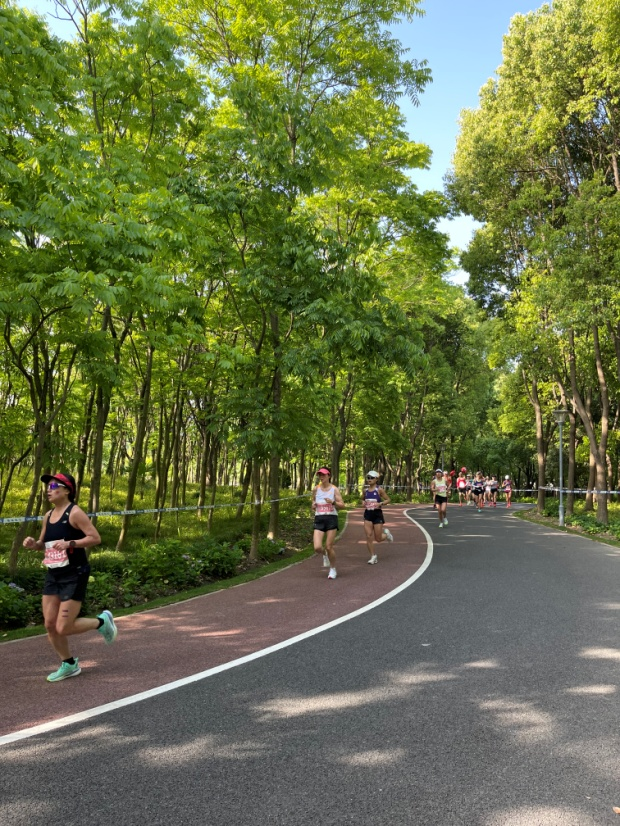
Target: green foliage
17,607
270,549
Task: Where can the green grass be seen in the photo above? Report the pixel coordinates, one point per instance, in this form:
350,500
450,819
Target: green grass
581,521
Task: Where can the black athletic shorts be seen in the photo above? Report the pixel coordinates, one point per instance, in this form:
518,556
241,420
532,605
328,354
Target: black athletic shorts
326,522
440,500
375,516
67,583
478,491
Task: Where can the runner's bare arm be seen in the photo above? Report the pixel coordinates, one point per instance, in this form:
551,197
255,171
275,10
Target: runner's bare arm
338,500
37,544
79,520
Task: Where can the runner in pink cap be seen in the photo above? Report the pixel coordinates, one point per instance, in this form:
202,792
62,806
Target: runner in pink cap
326,499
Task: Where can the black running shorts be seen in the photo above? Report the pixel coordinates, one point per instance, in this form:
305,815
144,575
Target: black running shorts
326,522
67,583
375,516
440,500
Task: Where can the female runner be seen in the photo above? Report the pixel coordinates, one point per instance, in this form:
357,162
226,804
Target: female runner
372,499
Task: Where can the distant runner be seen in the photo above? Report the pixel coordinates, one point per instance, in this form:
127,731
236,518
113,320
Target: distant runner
461,487
508,490
494,490
439,488
477,489
372,499
326,499
65,535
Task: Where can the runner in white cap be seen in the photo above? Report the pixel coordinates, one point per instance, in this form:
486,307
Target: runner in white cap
373,497
326,499
440,487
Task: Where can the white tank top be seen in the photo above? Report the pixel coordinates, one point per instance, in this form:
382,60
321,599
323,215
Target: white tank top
324,508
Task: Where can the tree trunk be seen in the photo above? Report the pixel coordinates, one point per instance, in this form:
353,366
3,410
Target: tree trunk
245,485
84,443
145,397
274,494
256,510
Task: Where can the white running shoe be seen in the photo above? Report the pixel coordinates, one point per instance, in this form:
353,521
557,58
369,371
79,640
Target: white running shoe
388,535
441,524
373,560
332,574
445,521
325,561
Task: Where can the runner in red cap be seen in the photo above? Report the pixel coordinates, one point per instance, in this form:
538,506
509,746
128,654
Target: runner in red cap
326,499
461,486
66,533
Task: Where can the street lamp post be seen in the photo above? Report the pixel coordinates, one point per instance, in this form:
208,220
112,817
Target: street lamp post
560,417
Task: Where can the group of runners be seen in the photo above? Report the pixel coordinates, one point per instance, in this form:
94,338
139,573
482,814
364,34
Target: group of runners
67,533
327,501
473,489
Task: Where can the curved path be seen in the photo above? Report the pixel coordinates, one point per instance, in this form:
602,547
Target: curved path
156,648
486,694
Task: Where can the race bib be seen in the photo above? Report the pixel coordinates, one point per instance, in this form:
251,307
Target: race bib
53,558
324,508
371,504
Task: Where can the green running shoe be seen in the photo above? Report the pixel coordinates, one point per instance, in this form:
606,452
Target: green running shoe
108,630
66,670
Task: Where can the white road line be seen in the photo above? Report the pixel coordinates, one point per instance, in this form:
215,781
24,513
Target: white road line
194,678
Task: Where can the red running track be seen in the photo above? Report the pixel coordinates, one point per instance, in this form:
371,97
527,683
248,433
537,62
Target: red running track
157,647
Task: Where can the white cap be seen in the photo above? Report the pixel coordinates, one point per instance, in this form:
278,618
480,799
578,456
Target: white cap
506,477
373,473
439,470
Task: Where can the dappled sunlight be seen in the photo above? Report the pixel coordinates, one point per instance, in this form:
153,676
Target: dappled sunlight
539,816
28,810
586,690
601,654
207,747
232,632
288,707
373,758
399,686
420,677
482,664
526,723
271,600
608,606
74,744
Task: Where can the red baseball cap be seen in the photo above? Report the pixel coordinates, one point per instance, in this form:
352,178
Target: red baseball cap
64,478
324,470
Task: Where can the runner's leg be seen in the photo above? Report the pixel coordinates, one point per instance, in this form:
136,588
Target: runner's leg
331,537
370,536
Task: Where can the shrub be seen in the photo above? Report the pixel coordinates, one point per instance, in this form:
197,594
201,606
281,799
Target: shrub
165,563
269,549
109,562
17,608
102,592
220,561
28,577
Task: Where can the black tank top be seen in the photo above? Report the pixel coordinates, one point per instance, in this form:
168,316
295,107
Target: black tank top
63,529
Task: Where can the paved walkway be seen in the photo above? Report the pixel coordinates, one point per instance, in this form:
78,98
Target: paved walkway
168,644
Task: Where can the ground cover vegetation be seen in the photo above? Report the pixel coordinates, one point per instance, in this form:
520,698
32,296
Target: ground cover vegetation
217,275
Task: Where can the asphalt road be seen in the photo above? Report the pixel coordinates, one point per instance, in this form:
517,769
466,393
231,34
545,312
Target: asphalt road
485,694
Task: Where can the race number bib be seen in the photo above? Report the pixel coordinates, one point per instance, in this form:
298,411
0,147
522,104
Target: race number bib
371,504
54,559
323,508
